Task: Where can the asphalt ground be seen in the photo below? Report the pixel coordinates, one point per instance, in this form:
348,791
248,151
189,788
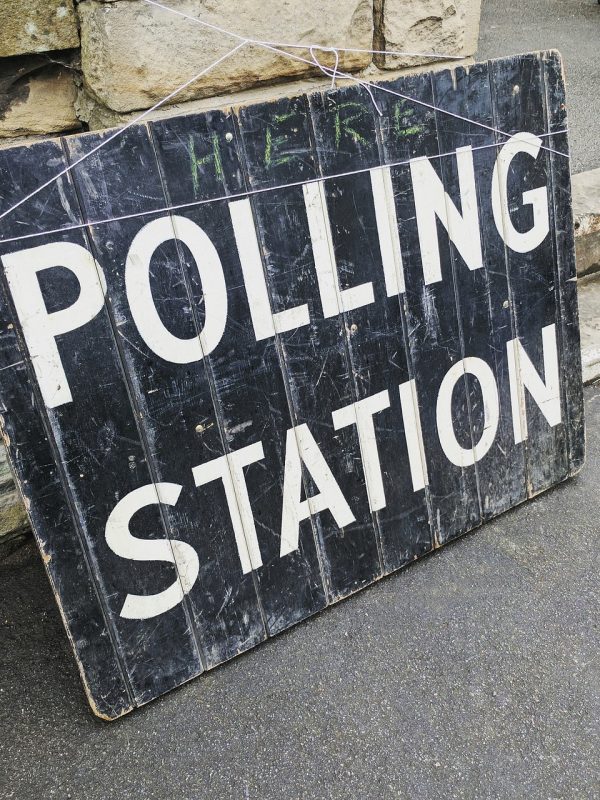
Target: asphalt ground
472,674
571,26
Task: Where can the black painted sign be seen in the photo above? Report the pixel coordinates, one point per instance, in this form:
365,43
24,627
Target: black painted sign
254,360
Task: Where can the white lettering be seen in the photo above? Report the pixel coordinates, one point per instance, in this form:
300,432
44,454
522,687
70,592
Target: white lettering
523,375
414,435
536,198
361,414
431,201
466,457
387,229
265,323
139,292
123,544
230,469
40,328
333,299
302,448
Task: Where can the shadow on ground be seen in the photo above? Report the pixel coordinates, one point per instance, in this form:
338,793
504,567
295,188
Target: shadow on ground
472,674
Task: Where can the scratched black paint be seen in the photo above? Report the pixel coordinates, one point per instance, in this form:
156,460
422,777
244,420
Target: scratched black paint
136,418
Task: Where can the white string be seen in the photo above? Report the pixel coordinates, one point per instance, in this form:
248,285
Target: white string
314,47
268,43
443,56
121,130
327,71
333,73
247,193
369,89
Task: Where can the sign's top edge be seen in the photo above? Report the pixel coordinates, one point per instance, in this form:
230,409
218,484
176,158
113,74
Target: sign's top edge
251,97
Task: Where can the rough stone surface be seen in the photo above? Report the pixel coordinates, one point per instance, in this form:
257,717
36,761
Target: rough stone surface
426,26
13,518
586,213
134,54
36,97
589,303
97,116
36,26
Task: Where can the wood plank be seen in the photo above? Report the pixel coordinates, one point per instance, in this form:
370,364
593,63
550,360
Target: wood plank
29,437
518,99
408,132
102,458
281,372
253,405
346,135
278,151
174,400
564,257
482,295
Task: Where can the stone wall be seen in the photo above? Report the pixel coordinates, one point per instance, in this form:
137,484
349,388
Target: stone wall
68,65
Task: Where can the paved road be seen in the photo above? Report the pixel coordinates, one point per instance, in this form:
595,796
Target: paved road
571,26
473,674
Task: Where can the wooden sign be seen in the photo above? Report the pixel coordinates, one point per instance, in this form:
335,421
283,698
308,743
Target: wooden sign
254,360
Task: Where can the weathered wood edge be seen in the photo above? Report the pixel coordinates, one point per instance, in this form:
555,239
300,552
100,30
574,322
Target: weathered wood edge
21,494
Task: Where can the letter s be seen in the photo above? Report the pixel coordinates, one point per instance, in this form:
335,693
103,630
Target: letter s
121,542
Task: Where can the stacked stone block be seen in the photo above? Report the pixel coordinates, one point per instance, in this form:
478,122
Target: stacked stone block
67,66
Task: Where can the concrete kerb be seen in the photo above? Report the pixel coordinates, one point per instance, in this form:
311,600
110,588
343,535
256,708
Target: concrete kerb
586,219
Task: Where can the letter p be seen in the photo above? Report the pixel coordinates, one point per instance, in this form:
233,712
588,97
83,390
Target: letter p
40,327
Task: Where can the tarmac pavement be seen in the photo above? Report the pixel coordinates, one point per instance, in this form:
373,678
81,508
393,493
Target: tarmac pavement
571,26
472,674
